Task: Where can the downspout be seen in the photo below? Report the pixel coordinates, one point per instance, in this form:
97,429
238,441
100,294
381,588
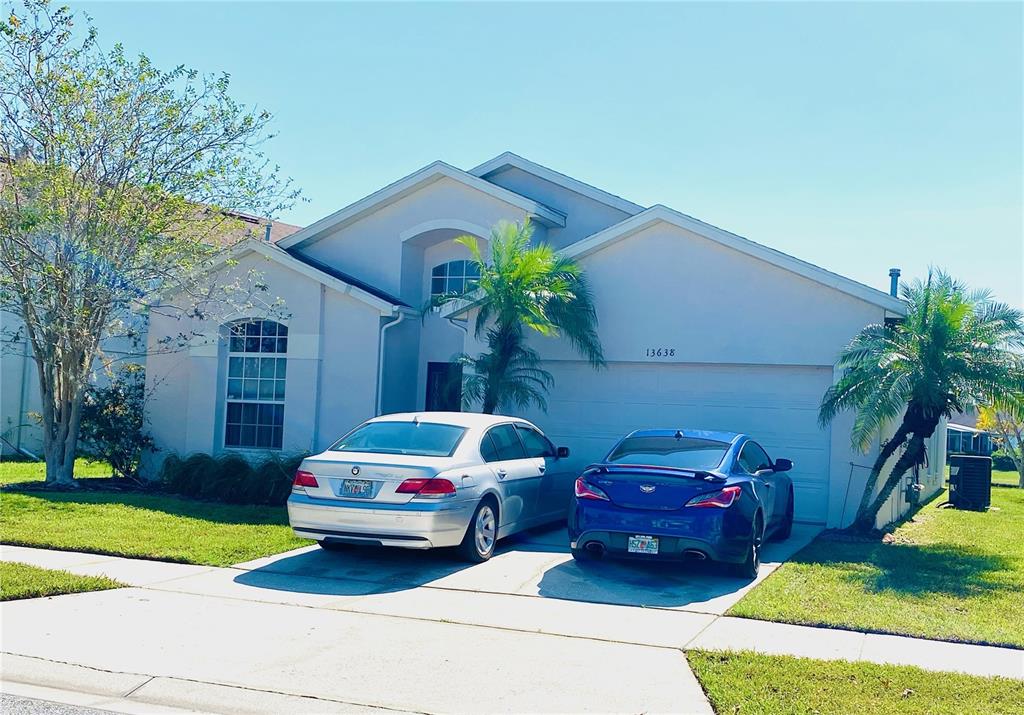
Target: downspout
380,358
319,367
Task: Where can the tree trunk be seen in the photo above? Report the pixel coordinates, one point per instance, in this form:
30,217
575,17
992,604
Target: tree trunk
913,455
888,449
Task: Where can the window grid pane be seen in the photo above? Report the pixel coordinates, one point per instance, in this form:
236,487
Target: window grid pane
254,414
456,277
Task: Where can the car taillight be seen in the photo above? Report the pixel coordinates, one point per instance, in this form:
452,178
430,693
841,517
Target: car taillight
722,499
584,490
427,487
304,479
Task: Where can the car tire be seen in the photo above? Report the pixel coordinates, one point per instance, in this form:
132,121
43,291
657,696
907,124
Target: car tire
786,527
750,566
333,545
482,533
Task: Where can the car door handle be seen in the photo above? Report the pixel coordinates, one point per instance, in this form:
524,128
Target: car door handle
542,468
501,473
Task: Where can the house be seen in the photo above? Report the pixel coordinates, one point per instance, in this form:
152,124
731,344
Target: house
700,328
20,400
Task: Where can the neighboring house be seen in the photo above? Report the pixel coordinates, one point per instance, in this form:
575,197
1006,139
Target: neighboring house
700,327
19,381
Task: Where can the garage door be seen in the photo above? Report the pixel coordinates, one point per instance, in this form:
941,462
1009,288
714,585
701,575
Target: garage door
588,410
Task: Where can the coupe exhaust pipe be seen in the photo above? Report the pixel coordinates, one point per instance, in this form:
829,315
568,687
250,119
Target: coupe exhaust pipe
595,549
694,554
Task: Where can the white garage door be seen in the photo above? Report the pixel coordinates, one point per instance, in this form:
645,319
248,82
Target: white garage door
588,410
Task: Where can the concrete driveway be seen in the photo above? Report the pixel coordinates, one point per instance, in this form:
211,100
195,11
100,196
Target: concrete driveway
315,631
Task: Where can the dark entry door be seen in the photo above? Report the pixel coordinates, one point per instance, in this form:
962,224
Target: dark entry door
444,387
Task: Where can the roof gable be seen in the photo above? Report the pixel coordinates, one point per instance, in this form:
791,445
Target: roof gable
659,213
330,277
508,159
407,185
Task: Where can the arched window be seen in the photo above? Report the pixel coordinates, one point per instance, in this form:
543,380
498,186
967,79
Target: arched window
456,277
256,369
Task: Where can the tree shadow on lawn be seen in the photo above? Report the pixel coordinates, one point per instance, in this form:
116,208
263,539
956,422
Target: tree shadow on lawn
915,569
216,512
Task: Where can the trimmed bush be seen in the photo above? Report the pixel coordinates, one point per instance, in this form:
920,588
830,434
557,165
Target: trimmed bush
230,478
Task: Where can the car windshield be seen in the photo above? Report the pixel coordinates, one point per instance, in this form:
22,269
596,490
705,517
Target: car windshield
683,452
424,439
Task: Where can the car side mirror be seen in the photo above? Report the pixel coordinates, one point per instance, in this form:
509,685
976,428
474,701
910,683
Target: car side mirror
783,465
562,452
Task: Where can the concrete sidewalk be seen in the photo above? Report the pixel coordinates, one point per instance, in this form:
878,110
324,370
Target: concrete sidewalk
195,635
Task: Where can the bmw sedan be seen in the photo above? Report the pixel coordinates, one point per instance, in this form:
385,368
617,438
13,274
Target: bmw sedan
683,494
431,479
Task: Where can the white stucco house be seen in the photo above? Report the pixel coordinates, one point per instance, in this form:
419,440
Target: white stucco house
700,328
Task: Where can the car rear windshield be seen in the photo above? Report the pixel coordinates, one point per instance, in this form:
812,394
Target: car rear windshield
683,452
424,439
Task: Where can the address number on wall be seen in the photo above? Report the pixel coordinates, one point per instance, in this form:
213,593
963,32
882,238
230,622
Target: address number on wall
660,352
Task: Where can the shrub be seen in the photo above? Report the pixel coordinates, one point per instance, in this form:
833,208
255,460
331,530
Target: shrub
230,478
112,422
1001,460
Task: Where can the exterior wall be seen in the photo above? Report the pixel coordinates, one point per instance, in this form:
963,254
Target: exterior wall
331,379
665,287
583,216
371,248
19,391
20,400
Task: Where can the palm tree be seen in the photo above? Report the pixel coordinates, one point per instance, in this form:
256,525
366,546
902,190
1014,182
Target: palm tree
956,349
523,287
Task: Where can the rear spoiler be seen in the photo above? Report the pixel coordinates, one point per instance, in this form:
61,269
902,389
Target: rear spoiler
706,475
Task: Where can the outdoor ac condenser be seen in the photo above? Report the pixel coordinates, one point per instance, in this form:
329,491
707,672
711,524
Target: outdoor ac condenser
970,482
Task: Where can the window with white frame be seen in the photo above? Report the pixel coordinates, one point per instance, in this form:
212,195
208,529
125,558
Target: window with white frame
454,277
257,366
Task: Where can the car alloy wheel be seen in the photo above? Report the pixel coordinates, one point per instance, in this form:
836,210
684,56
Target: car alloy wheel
484,529
482,532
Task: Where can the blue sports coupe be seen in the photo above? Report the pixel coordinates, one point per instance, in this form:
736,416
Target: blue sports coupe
683,494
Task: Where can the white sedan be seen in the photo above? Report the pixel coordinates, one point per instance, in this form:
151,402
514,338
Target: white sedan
432,479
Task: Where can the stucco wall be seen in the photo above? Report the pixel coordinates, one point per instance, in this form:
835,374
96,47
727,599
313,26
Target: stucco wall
371,248
332,367
583,215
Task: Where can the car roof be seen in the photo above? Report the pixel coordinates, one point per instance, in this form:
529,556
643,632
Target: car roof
714,435
460,419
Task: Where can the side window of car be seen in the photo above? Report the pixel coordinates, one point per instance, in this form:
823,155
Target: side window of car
487,449
537,445
506,442
753,458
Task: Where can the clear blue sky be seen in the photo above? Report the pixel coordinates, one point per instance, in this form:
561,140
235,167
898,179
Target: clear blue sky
854,136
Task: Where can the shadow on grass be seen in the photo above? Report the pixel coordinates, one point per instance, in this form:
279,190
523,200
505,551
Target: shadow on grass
242,514
914,569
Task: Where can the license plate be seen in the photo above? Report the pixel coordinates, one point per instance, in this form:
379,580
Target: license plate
356,488
642,545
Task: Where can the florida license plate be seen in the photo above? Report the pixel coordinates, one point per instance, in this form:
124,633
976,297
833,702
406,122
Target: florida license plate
356,488
642,545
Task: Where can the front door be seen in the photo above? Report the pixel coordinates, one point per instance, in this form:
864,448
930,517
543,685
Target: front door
444,387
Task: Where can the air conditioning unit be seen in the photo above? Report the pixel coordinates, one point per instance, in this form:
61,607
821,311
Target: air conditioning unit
970,482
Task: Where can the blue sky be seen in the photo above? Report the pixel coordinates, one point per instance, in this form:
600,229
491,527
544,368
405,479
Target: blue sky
854,136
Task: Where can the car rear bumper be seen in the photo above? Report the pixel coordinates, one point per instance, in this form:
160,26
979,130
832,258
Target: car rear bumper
716,534
615,543
412,526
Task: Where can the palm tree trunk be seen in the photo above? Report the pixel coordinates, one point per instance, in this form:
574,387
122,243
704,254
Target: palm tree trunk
888,449
913,455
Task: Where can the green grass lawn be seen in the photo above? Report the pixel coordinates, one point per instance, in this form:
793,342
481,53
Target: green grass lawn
1006,478
769,684
948,574
24,581
15,472
145,525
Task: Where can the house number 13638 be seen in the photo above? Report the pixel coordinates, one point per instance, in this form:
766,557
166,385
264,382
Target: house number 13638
661,352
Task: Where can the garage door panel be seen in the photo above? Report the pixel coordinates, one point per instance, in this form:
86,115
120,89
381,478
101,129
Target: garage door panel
589,410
